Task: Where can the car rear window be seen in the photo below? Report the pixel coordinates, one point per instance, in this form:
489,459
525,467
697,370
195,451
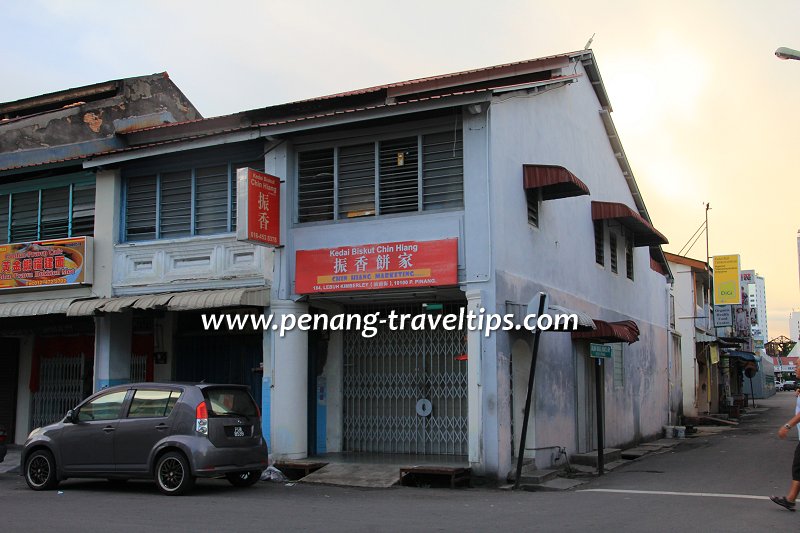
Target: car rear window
229,402
152,403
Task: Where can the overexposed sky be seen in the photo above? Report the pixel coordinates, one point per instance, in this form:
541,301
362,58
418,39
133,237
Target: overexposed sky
705,111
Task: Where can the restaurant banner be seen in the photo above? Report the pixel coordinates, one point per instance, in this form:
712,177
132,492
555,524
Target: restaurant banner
258,217
386,265
51,263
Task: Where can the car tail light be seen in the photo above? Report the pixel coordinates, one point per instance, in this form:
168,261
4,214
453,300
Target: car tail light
2,438
201,416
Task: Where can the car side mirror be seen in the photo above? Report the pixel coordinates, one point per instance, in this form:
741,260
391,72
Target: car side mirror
72,416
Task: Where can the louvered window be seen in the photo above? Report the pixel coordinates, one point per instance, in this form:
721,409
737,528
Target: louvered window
199,201
619,366
25,216
140,212
442,171
356,181
399,176
599,243
421,172
83,209
315,186
47,212
4,199
532,197
612,243
55,213
211,200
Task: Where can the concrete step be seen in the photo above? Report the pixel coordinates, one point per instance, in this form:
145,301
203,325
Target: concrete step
537,477
635,453
590,459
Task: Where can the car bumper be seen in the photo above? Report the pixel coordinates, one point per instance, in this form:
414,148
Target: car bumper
213,461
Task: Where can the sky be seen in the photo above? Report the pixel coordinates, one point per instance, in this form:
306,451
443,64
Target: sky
705,111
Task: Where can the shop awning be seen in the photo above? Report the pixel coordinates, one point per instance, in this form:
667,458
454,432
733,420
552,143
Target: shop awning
609,332
737,354
174,301
57,306
644,234
585,322
554,181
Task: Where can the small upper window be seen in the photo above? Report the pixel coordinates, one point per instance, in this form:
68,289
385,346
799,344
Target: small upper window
533,197
599,243
612,243
629,256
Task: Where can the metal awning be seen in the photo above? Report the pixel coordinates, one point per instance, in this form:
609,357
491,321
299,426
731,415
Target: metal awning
36,307
644,234
585,322
171,301
737,354
554,181
610,332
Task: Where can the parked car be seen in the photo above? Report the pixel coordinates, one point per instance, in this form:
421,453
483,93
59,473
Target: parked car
3,447
789,385
779,385
172,433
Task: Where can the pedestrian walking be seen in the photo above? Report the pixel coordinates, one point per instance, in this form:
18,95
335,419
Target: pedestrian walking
788,501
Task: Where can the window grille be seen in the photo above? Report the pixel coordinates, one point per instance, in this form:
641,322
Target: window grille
399,176
25,216
612,242
315,185
141,209
356,181
599,243
442,170
340,183
55,213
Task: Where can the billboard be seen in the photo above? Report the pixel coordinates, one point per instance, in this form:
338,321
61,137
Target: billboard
385,265
258,215
50,263
726,280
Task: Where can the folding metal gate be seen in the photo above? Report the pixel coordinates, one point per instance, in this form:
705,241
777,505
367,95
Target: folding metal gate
60,388
405,391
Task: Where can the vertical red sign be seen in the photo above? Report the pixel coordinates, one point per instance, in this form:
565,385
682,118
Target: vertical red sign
259,200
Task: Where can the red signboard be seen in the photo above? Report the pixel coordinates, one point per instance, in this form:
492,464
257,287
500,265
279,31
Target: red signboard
259,207
41,264
387,265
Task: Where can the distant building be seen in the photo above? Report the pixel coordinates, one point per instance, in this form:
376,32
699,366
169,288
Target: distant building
794,325
757,304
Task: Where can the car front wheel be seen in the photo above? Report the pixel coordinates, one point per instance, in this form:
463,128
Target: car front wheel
40,471
243,479
173,475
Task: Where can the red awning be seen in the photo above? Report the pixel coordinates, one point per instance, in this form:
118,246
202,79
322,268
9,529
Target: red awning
624,331
644,234
554,181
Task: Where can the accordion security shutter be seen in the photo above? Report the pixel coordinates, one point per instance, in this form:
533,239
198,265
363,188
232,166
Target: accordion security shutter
140,213
315,185
442,171
399,176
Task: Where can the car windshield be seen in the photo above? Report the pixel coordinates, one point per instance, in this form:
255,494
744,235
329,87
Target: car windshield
222,401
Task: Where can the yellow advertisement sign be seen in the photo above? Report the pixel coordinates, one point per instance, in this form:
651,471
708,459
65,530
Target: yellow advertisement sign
726,280
41,264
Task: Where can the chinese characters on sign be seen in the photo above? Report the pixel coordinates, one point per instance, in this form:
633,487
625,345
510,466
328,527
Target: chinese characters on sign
56,262
258,216
389,265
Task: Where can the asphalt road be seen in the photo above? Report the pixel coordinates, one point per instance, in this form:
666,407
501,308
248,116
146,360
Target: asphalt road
715,483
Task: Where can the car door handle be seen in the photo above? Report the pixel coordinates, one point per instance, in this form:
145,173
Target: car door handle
161,427
108,429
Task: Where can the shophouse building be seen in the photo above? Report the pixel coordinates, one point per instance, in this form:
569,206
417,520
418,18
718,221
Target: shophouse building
473,191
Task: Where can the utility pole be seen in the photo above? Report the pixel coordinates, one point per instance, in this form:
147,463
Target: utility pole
708,254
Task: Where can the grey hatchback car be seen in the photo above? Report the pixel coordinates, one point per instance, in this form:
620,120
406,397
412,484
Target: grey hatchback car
171,432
